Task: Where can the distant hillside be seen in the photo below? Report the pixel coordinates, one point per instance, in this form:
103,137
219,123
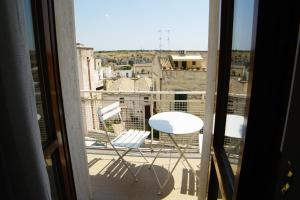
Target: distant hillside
130,57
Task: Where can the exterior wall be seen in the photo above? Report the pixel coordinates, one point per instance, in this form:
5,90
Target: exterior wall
189,64
87,81
65,29
98,64
124,73
237,87
183,80
237,97
198,64
156,75
98,73
107,72
143,70
86,70
237,70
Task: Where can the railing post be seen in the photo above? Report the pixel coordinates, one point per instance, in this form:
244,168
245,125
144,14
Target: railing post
151,114
92,110
143,106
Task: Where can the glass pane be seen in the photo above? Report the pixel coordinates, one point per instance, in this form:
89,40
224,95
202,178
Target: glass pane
35,72
238,85
53,174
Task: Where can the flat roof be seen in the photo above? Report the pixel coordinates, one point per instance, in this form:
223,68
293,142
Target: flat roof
186,57
143,65
82,46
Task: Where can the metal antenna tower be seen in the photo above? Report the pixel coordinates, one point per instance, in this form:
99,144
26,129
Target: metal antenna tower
160,40
168,38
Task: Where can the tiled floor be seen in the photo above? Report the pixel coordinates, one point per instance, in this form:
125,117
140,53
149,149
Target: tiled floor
118,184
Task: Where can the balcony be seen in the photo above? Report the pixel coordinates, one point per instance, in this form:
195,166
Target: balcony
136,109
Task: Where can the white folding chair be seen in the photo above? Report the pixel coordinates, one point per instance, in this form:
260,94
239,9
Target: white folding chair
127,139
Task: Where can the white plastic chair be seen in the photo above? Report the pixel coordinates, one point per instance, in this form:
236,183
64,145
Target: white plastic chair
128,139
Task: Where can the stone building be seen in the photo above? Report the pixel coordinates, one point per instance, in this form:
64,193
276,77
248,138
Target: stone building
86,77
133,95
180,73
86,67
185,62
143,70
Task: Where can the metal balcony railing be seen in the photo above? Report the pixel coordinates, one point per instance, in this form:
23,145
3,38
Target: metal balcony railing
138,106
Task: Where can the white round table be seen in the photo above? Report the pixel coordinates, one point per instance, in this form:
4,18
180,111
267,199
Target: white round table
234,126
176,122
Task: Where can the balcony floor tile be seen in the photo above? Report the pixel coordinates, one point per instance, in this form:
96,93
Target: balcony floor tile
118,184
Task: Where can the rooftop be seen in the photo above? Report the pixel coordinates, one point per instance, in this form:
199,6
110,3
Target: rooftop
165,63
82,46
129,84
186,57
143,65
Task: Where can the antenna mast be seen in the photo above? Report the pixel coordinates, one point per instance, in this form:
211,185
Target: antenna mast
168,38
160,41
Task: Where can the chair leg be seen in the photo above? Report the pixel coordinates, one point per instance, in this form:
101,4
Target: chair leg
124,162
114,160
143,156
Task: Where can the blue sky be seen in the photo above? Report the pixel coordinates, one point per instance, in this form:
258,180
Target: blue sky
134,24
242,24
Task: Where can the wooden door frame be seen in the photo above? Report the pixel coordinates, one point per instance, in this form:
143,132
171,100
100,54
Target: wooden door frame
45,40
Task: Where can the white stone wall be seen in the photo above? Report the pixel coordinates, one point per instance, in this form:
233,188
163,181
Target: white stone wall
108,72
86,69
124,73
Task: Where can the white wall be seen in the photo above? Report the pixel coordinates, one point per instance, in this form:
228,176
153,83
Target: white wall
123,73
86,70
107,72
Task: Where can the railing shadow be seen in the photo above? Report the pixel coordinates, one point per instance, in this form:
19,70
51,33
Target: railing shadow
189,182
93,162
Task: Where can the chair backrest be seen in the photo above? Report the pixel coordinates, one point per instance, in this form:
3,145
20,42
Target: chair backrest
106,113
109,111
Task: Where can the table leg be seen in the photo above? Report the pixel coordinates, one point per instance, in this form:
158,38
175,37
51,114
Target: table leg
177,161
151,165
182,155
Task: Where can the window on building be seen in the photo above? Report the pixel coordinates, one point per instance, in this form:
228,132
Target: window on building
193,62
180,103
121,99
176,64
183,64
